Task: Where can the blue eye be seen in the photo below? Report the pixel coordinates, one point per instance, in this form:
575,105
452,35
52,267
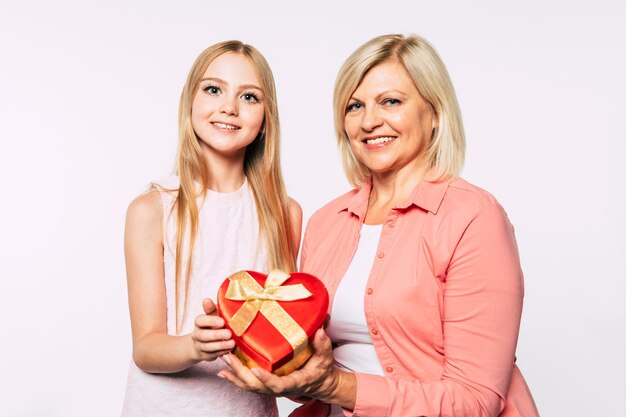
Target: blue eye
391,101
212,89
354,107
250,97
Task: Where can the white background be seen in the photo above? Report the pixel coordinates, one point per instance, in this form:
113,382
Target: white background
88,106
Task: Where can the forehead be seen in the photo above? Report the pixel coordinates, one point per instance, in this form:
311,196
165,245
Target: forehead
234,68
388,75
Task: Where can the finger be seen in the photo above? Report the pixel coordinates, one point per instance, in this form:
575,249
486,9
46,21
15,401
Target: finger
214,347
244,373
276,384
263,375
220,353
213,355
228,375
322,343
211,335
209,306
237,366
206,321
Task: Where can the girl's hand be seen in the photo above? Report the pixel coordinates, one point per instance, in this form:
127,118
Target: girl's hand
210,339
318,378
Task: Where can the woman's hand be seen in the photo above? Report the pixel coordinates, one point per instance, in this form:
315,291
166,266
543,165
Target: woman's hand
210,339
318,378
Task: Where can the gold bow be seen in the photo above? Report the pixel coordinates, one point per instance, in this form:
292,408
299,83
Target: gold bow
243,287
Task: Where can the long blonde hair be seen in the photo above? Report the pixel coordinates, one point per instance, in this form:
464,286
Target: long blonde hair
261,167
446,151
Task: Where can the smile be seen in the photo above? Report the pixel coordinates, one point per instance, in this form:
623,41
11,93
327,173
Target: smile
379,140
225,126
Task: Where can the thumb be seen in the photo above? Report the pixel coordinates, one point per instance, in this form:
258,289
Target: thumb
209,306
321,341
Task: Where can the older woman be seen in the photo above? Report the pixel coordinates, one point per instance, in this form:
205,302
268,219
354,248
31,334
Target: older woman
421,266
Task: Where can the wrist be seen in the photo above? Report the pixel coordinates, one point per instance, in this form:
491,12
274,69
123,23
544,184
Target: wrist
342,389
330,387
193,355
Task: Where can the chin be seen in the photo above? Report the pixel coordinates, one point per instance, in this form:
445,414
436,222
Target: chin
380,167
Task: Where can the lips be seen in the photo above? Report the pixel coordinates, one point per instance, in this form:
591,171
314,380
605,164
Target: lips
373,143
225,126
379,140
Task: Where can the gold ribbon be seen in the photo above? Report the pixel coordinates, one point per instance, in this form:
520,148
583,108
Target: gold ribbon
243,287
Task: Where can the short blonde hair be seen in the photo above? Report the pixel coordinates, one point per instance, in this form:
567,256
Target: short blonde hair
446,152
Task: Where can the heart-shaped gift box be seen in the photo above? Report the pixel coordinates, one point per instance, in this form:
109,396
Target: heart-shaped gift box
273,317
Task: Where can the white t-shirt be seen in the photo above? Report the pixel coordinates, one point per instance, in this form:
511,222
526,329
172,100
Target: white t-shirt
347,327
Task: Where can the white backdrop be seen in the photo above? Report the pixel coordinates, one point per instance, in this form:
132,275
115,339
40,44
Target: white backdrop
88,105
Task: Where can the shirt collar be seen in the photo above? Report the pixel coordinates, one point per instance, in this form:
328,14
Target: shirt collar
357,204
426,195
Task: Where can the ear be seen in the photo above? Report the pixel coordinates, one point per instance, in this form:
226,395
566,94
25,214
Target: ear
434,123
434,119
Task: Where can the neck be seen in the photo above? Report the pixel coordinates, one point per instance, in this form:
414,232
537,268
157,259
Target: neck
226,172
394,187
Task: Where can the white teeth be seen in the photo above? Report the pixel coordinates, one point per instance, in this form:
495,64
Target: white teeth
382,139
225,126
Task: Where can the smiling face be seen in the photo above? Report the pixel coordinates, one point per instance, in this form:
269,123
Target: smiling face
387,121
228,111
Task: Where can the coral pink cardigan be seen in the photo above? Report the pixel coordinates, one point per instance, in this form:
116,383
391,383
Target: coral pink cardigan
443,301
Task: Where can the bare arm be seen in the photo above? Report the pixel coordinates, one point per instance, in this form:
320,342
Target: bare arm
295,212
153,349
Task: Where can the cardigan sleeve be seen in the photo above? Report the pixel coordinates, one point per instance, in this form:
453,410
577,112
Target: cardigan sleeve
482,305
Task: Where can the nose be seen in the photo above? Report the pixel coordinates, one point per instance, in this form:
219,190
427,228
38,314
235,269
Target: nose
229,106
371,119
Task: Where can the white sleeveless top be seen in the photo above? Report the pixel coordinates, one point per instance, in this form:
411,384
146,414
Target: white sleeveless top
227,241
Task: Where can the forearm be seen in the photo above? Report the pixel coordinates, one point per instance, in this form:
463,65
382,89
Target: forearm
162,353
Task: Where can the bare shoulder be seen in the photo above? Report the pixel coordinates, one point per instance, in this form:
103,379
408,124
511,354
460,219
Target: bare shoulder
295,210
145,211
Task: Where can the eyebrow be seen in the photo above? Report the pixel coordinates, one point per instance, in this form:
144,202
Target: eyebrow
382,94
243,87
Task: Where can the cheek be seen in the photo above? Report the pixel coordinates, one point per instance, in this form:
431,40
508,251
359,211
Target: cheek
197,111
254,117
402,121
356,150
351,126
413,123
194,120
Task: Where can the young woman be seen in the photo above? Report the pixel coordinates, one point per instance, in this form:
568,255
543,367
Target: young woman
224,209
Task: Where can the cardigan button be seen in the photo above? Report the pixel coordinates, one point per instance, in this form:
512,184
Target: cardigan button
370,291
389,369
391,223
381,254
374,331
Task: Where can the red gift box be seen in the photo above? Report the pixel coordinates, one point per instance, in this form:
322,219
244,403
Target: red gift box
273,318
